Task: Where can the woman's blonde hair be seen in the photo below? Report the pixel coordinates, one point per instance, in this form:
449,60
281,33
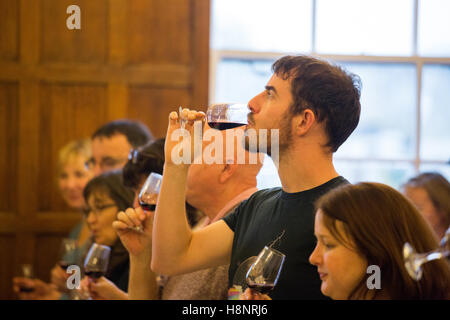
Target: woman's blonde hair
80,147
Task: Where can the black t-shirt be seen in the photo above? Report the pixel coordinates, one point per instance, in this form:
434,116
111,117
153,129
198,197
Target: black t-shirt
262,218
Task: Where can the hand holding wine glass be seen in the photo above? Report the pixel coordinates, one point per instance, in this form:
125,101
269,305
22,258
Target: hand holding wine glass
136,242
184,119
23,283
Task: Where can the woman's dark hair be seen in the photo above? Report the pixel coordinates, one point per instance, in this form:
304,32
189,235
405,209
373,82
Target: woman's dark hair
111,183
143,161
379,220
438,189
328,90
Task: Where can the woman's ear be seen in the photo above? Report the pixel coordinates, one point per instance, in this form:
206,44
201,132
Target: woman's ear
303,122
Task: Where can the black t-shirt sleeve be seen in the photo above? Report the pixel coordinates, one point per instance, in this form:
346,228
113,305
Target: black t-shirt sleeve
232,218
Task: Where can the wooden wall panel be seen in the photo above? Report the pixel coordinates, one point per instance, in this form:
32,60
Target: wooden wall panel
47,245
159,31
153,105
7,270
59,44
8,150
9,30
67,111
137,59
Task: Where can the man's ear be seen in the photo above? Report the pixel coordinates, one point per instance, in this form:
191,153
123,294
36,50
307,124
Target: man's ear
227,172
303,122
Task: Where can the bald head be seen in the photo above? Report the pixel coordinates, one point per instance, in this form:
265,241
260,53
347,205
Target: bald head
225,170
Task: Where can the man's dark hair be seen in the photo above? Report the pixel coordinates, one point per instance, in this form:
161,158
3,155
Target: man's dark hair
332,93
136,132
145,160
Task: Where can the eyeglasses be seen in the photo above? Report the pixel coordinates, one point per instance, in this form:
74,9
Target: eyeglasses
98,210
132,156
105,165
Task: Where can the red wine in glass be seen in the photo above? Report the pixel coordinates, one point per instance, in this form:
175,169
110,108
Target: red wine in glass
147,206
225,125
263,274
223,116
94,274
260,287
97,260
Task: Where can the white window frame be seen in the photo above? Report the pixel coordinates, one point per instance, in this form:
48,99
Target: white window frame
419,61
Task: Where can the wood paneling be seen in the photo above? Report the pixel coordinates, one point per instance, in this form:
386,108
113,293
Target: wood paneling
66,111
59,44
139,59
160,31
8,151
153,105
9,30
47,245
6,243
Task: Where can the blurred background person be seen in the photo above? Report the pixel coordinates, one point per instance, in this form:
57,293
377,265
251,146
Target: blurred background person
430,193
366,224
142,161
112,142
105,196
73,176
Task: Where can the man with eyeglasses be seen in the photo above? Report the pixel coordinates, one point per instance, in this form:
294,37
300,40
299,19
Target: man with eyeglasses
111,144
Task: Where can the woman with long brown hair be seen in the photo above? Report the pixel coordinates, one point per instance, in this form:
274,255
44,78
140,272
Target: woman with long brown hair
367,224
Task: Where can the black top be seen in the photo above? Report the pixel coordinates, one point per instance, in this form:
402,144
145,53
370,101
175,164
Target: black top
119,266
262,218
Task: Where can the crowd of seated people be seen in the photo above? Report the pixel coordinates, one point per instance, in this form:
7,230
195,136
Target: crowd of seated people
210,218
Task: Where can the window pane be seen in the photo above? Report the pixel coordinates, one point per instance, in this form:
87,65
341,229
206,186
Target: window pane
435,113
371,27
261,25
443,169
391,173
240,80
388,112
434,24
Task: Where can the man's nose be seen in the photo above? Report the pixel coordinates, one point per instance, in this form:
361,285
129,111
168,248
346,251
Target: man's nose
254,105
97,170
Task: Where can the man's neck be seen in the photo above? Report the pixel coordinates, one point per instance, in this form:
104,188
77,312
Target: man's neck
215,204
305,168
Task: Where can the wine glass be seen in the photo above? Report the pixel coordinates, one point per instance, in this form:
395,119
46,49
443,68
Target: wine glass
96,262
68,253
149,192
26,272
414,260
148,195
223,116
263,274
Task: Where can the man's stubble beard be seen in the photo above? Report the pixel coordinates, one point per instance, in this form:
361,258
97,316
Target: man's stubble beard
285,137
